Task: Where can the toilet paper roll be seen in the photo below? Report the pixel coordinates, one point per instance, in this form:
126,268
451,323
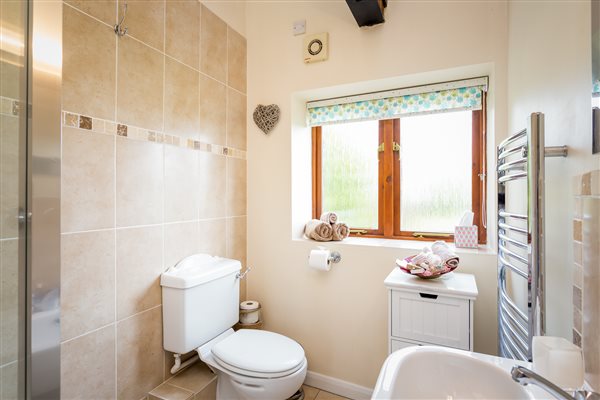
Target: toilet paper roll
249,305
249,312
319,259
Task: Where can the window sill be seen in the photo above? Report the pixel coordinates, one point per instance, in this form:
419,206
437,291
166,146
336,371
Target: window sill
413,245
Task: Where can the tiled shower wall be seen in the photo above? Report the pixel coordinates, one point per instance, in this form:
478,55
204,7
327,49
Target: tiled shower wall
153,169
13,74
586,273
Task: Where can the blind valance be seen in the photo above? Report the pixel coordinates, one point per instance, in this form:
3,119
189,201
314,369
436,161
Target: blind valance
458,95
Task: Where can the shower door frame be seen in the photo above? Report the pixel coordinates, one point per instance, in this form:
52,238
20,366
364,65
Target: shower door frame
42,213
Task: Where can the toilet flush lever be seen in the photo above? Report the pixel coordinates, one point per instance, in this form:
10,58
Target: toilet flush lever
242,275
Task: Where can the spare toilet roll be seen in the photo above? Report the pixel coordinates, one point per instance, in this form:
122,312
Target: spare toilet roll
319,259
249,314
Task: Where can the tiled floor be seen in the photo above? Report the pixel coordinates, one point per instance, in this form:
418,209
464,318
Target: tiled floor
311,393
197,382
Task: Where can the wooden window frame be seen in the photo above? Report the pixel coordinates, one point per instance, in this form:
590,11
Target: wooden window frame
389,182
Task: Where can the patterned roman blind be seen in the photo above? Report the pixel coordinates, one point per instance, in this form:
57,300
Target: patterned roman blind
450,96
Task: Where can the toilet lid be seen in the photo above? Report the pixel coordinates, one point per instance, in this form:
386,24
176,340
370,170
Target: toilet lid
260,352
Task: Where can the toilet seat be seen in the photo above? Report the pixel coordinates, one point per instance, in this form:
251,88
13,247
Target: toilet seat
259,354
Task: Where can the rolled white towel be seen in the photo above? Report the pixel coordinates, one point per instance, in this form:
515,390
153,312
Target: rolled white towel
318,230
419,258
329,217
448,256
433,260
439,245
340,231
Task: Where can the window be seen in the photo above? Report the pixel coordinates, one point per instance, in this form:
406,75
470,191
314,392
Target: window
410,177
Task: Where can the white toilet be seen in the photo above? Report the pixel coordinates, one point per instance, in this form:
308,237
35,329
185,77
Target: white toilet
200,306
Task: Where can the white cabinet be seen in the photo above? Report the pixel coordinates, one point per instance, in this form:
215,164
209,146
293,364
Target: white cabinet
426,312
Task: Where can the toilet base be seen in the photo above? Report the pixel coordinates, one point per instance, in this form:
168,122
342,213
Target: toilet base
239,387
299,395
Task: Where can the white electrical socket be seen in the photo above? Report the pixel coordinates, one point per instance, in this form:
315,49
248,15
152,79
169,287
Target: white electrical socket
299,27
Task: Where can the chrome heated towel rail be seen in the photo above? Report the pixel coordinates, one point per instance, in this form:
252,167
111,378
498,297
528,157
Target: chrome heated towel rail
521,238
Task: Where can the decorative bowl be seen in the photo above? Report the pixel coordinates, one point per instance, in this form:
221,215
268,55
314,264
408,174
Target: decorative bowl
427,274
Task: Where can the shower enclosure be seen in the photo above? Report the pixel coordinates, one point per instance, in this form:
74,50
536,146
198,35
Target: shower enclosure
30,78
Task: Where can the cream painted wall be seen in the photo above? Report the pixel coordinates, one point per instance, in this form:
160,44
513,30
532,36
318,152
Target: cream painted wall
233,12
549,67
340,317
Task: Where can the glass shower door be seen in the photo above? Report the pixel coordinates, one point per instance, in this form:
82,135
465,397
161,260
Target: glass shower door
13,130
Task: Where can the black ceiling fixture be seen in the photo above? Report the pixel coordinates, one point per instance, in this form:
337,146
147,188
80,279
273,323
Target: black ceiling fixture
367,12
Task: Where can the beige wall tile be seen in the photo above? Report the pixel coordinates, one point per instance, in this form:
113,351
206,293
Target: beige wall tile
213,106
595,182
183,31
236,239
577,230
591,290
170,362
10,76
212,237
182,109
88,366
212,184
236,246
236,187
139,265
236,119
11,68
578,276
139,354
213,45
578,253
140,88
9,376
9,300
236,60
139,182
181,240
145,21
87,180
9,176
181,184
104,10
89,51
87,299
195,378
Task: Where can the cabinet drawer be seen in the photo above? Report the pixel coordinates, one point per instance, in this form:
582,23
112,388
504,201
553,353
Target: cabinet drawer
430,318
400,344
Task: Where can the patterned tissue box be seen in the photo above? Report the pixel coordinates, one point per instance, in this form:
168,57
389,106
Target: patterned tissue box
465,236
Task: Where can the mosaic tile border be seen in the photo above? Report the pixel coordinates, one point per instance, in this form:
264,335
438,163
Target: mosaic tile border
97,125
586,185
9,106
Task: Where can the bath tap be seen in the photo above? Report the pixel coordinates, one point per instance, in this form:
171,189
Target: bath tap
525,376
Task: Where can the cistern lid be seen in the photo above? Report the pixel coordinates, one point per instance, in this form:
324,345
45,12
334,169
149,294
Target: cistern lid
260,352
198,269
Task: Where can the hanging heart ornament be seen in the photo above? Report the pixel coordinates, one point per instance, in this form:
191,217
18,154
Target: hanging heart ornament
266,117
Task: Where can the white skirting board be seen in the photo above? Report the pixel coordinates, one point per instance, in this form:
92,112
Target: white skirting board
337,386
